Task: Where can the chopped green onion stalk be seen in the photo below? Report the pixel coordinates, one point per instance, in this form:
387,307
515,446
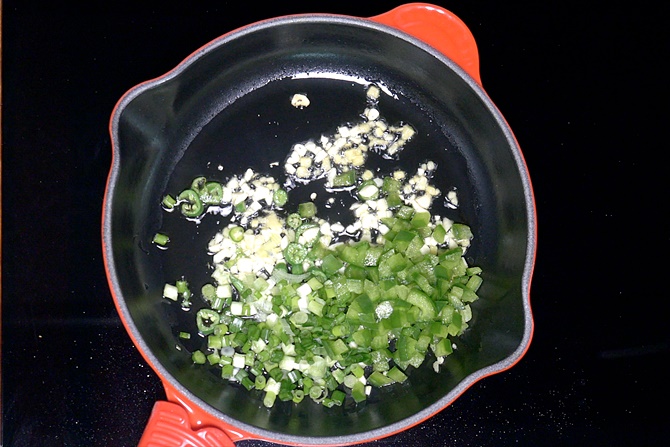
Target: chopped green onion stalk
169,202
307,210
236,234
199,358
347,178
280,197
161,239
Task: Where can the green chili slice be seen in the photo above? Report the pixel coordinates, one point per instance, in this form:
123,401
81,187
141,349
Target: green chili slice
236,233
280,197
199,185
198,357
212,194
206,320
191,205
295,253
293,220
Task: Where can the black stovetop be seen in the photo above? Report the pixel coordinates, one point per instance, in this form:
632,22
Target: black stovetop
583,90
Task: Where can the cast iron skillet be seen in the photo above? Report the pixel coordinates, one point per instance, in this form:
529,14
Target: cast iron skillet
227,105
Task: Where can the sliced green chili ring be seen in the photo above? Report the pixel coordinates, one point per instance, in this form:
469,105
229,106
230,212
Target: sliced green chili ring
199,185
280,197
236,234
293,220
191,205
206,320
213,193
295,253
199,357
310,232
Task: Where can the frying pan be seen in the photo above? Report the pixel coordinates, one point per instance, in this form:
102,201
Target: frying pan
225,108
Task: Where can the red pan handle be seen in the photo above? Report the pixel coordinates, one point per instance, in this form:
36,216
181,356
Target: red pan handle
177,422
169,425
438,28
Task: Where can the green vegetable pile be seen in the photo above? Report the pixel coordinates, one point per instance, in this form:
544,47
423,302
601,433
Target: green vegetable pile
360,315
294,310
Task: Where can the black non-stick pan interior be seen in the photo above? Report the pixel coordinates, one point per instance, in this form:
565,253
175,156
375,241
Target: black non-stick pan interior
227,108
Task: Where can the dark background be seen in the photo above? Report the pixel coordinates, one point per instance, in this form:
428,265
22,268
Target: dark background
583,87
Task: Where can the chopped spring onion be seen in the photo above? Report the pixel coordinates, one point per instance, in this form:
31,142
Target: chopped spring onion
294,220
212,194
368,190
307,209
347,178
199,185
170,292
161,239
169,202
199,357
